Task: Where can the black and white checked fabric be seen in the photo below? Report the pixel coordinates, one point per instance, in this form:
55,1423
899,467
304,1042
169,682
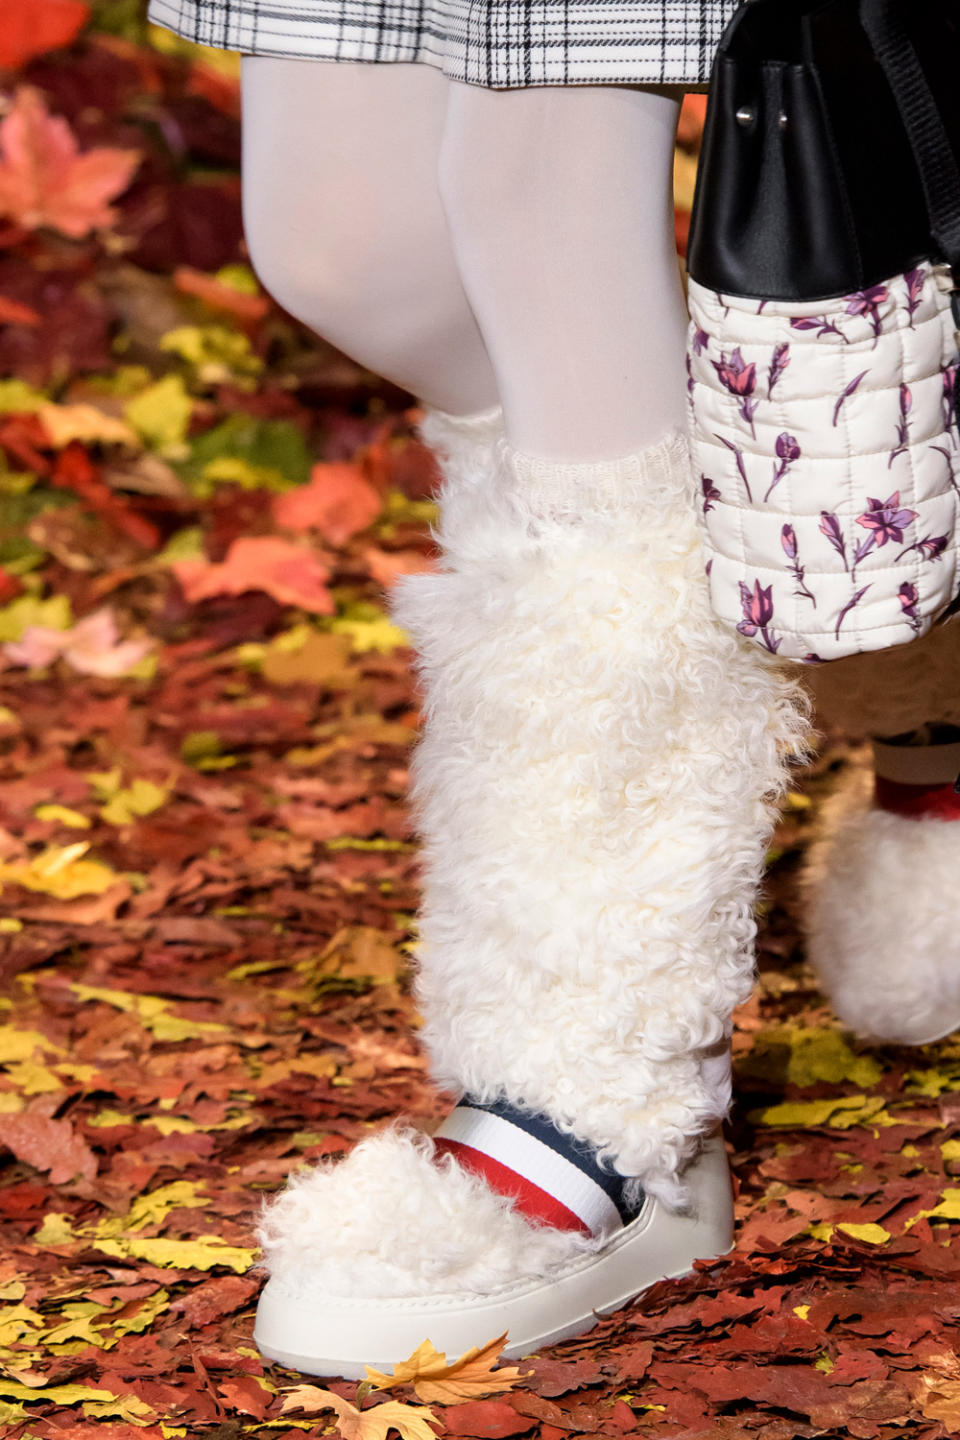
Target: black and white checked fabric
499,44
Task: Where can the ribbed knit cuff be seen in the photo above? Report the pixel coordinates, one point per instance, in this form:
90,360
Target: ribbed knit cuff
556,489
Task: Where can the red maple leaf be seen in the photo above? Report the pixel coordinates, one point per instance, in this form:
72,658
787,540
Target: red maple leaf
44,179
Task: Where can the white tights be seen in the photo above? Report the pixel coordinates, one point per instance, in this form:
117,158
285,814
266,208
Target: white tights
477,246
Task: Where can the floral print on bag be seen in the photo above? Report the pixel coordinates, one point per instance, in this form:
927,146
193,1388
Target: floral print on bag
826,444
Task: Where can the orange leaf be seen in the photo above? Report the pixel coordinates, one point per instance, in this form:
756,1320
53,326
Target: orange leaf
291,573
13,312
468,1378
386,565
45,181
218,295
32,27
338,502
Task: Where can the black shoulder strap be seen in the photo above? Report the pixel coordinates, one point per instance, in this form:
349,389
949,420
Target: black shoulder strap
936,159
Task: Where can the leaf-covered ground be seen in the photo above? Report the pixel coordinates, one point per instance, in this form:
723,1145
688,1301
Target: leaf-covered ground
209,877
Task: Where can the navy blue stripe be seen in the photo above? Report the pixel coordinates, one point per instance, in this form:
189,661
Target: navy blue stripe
580,1154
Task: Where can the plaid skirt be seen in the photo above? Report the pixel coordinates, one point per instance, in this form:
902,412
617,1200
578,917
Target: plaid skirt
500,44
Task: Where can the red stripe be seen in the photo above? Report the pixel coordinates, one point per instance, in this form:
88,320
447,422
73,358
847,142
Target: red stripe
918,801
537,1204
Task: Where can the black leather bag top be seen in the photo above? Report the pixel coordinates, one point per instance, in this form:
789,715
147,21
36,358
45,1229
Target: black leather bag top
830,150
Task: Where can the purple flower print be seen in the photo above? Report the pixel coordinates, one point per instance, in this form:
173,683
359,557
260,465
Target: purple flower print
710,493
700,341
930,547
778,363
830,527
909,597
950,470
788,539
690,380
906,405
884,520
788,452
820,323
848,391
867,303
740,379
757,607
741,468
915,282
847,608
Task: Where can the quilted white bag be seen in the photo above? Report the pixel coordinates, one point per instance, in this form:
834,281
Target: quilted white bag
824,430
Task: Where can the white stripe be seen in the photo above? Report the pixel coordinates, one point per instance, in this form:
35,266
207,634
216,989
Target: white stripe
536,1162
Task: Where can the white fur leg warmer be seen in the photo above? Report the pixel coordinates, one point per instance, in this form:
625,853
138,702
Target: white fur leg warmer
594,788
882,916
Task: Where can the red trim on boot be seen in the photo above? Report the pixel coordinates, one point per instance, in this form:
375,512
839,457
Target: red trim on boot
918,802
535,1203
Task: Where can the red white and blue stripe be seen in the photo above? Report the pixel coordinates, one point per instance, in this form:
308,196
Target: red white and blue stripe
552,1177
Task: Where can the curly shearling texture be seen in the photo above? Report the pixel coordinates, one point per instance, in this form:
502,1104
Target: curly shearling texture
881,916
595,787
892,691
390,1220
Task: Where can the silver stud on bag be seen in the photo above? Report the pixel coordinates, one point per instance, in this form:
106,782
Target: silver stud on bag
784,119
746,115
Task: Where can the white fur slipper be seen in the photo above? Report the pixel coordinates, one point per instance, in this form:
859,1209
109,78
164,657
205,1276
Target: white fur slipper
882,897
371,1255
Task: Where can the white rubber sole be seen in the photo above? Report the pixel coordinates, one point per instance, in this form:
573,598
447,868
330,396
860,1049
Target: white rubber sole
331,1335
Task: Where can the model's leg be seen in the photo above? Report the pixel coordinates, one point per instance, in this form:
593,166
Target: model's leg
881,897
594,788
344,223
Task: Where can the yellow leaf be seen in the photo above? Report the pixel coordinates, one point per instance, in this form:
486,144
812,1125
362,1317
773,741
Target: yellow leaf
20,1044
412,1421
11,1414
821,1230
62,872
152,1209
161,413
200,1254
12,1290
802,1310
129,1408
11,1103
152,1012
66,423
64,815
18,1321
840,1112
216,352
948,1209
464,1379
33,1079
375,633
57,1229
27,611
55,1394
870,1234
19,398
141,797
